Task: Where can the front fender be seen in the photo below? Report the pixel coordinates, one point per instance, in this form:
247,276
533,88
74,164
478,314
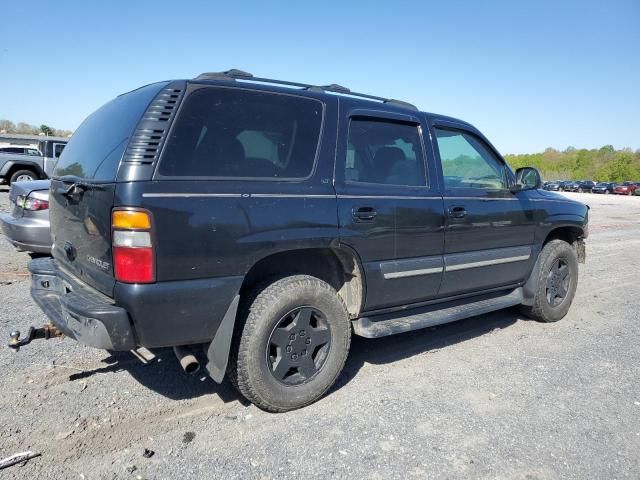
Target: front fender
575,222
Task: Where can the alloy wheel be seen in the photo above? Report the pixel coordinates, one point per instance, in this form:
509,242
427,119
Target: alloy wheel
558,281
24,178
298,346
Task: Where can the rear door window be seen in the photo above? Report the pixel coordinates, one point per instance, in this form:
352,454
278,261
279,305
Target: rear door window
12,150
95,149
235,133
384,152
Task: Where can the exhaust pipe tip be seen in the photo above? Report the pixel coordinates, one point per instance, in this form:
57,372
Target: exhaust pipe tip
187,359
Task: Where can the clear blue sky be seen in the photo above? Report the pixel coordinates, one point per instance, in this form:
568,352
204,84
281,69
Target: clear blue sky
528,74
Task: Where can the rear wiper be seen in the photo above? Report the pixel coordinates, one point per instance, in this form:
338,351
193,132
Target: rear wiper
72,190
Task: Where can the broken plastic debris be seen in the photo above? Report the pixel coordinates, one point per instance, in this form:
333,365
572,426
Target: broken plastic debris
21,457
148,453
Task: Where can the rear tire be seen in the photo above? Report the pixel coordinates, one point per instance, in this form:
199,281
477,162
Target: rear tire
556,283
292,345
23,176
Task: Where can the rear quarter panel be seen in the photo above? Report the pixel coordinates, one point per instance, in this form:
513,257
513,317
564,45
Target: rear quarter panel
212,228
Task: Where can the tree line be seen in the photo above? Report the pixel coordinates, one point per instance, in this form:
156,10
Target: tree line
7,126
605,164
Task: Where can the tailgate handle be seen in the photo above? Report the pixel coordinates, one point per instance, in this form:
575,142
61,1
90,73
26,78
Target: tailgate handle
74,190
77,186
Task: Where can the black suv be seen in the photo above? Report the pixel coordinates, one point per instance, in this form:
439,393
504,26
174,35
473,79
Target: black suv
270,220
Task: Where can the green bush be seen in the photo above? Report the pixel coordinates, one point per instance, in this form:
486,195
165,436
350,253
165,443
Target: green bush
603,164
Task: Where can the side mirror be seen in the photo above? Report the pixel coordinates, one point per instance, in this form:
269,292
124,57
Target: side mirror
527,178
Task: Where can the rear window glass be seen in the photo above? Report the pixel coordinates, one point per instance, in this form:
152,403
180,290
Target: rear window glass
233,133
95,149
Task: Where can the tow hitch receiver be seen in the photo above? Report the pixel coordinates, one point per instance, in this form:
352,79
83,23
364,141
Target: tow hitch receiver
46,332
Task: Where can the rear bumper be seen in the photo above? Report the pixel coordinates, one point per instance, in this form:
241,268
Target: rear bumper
77,310
162,314
27,233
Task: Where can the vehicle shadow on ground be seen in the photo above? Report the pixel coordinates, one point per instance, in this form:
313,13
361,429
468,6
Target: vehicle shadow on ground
165,376
386,350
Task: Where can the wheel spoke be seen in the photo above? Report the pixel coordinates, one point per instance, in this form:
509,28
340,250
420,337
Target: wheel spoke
320,336
280,336
562,291
307,367
303,318
281,368
563,272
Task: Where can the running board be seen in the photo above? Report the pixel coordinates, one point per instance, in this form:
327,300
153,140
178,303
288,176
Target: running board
415,319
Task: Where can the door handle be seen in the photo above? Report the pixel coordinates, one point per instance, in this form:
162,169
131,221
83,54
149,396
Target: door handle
364,214
457,212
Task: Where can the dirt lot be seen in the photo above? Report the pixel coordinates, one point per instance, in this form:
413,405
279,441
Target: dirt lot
496,396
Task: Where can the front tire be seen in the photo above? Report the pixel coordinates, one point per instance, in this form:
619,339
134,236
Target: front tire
556,283
292,345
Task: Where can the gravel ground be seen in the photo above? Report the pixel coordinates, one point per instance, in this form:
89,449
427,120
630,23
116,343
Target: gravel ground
496,396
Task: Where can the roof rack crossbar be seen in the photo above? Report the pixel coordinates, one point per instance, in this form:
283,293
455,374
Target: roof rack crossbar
235,74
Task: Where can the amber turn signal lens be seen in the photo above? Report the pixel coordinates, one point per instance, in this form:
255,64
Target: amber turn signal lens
130,219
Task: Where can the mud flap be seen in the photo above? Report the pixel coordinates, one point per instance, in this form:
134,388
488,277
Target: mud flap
531,285
581,250
218,351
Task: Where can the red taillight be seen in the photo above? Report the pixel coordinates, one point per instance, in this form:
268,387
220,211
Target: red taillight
133,265
133,256
31,203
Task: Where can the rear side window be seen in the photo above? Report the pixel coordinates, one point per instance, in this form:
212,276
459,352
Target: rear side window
12,150
234,133
95,149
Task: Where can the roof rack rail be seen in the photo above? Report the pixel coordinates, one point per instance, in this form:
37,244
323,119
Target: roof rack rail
235,74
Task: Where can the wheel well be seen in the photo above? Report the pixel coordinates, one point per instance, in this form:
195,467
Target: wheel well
14,168
336,266
567,234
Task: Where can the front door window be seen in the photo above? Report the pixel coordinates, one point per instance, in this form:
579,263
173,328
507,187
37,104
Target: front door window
467,162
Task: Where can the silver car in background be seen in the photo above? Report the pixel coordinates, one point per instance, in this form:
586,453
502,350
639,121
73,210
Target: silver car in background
27,226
